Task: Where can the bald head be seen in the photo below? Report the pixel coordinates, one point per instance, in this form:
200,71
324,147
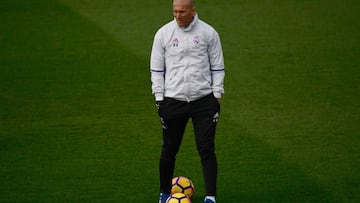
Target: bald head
184,12
184,2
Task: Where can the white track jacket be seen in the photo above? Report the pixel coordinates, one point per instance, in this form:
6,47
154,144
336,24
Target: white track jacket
187,63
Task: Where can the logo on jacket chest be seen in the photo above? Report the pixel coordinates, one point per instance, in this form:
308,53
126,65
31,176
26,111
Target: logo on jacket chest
175,42
194,42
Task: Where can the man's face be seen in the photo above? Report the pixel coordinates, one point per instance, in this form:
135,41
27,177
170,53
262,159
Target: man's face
183,13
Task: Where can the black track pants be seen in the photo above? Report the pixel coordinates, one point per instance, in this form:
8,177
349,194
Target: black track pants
174,116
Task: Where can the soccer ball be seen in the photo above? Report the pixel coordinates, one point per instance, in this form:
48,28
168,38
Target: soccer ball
183,185
178,198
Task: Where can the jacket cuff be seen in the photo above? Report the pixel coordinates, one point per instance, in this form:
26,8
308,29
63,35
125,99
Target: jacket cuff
159,97
217,94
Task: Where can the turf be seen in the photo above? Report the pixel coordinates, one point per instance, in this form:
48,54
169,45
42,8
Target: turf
78,124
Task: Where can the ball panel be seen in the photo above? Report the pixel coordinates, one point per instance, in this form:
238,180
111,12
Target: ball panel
176,189
189,192
184,182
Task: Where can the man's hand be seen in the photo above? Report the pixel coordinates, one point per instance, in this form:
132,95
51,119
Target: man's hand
157,104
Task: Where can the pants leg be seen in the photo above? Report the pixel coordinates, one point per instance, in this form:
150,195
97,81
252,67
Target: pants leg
174,122
205,117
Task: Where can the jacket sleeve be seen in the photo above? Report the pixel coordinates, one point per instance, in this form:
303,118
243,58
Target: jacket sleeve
217,67
157,68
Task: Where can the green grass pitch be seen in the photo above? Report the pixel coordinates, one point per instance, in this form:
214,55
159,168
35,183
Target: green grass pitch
78,123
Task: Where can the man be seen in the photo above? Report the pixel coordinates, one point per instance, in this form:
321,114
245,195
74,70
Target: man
187,75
